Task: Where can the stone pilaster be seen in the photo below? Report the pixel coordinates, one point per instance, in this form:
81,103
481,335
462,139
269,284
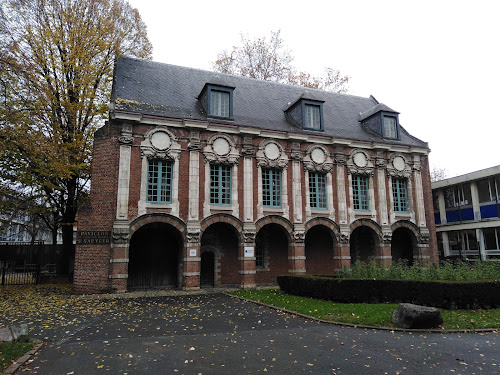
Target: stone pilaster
343,257
419,192
341,160
297,185
126,141
248,191
247,257
192,259
297,257
194,176
382,189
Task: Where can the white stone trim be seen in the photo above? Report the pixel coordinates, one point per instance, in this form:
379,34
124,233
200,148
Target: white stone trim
194,185
248,189
123,182
119,260
190,274
119,276
214,127
247,272
297,192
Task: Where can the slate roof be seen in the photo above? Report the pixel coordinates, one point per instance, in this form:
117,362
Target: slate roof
164,90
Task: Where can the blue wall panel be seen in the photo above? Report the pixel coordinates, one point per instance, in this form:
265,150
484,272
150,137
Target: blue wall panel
467,214
489,211
452,216
437,218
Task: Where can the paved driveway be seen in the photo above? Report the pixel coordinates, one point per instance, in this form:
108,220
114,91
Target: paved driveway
217,334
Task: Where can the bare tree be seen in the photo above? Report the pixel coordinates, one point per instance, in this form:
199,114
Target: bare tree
269,60
438,174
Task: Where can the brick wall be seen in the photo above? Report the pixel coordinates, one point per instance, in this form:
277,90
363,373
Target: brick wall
92,261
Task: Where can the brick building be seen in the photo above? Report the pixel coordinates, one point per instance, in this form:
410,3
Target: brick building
467,215
206,179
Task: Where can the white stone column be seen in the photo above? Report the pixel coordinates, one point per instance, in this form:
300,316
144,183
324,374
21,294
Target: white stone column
419,192
126,141
442,206
475,200
248,189
446,244
194,185
329,196
297,191
382,193
308,195
341,189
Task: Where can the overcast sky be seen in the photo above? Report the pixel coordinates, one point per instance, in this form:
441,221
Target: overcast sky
437,62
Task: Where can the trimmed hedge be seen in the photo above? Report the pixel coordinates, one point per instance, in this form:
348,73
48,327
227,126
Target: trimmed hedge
442,294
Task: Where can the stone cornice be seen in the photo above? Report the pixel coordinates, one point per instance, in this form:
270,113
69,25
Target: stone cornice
266,133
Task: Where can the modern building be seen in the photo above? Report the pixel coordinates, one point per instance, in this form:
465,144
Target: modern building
207,179
467,215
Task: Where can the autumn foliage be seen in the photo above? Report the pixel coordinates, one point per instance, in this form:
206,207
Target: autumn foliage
56,61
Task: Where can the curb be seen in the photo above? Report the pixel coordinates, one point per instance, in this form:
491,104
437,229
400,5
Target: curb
21,360
342,324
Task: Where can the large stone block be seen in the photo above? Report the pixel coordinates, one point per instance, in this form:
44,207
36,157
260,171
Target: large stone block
14,333
408,315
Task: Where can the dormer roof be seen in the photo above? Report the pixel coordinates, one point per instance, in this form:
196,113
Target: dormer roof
169,91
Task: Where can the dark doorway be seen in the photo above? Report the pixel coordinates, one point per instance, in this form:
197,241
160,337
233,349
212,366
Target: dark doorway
319,251
154,256
224,239
207,269
363,244
403,244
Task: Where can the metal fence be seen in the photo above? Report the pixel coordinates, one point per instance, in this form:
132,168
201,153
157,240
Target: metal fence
21,262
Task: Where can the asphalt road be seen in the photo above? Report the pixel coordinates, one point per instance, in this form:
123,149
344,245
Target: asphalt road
217,334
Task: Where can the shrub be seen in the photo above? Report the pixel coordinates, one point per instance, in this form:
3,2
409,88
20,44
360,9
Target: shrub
444,294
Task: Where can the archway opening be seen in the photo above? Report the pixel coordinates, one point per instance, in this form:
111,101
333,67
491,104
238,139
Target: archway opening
224,240
155,250
363,243
319,250
403,245
271,254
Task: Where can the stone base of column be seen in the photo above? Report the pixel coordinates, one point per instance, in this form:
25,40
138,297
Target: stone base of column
191,281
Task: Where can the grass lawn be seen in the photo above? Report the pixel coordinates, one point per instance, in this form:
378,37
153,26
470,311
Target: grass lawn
377,314
10,352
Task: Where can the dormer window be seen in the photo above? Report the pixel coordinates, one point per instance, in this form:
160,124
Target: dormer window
217,101
390,127
312,116
306,113
381,120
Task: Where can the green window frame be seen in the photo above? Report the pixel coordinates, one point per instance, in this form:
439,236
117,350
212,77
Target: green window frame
390,127
220,184
317,190
360,192
271,188
312,115
400,194
159,181
220,102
